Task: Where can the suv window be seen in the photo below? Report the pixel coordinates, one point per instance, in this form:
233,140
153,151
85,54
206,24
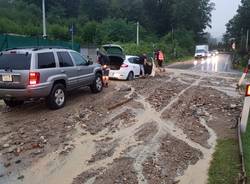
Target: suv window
15,61
64,59
79,60
46,60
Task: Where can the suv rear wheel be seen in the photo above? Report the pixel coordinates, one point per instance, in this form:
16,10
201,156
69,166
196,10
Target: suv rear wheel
97,85
13,103
57,97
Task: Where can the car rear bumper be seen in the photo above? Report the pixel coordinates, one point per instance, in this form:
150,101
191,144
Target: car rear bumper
118,75
28,93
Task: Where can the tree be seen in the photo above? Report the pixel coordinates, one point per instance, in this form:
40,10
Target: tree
108,20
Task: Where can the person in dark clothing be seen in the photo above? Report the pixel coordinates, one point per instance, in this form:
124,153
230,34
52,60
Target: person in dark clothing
142,62
104,61
148,67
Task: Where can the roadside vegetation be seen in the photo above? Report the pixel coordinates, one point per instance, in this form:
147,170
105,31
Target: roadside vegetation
225,166
107,21
240,60
237,29
246,147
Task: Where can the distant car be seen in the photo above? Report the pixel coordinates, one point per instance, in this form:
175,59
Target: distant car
34,73
215,52
128,70
209,54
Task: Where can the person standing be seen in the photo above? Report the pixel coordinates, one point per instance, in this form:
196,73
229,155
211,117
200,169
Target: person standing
160,58
104,61
142,62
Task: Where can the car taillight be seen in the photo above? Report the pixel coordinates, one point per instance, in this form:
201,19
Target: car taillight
34,78
124,66
248,91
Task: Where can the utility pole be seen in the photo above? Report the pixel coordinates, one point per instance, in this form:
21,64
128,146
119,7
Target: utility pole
138,36
173,42
44,21
247,40
241,40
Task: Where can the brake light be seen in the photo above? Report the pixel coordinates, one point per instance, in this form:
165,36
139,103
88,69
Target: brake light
248,91
124,66
34,78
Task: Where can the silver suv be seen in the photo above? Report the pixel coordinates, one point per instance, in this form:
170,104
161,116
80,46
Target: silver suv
34,73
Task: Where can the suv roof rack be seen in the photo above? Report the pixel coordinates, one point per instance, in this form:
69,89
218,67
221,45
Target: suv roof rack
35,48
48,47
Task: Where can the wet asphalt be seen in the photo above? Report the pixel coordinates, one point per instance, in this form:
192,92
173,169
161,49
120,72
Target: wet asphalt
213,64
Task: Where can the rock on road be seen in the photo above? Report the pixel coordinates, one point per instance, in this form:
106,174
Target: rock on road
165,133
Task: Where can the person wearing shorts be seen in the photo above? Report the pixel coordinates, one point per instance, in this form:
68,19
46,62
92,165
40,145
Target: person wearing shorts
104,61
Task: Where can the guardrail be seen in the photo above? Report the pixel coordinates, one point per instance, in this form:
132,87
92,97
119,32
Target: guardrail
243,175
242,125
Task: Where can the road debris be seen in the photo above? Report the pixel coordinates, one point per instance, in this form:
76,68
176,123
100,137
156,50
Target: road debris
148,131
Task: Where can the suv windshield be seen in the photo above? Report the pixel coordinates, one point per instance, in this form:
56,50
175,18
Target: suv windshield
15,61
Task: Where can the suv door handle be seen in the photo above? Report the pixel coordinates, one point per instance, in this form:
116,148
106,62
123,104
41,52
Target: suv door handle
79,69
63,71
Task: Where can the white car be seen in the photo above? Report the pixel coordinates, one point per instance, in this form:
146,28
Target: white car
128,70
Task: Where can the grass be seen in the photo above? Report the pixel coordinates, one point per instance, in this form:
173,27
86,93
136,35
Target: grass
185,58
225,166
246,147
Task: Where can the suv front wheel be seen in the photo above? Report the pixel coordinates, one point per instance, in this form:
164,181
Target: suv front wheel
57,97
97,85
13,103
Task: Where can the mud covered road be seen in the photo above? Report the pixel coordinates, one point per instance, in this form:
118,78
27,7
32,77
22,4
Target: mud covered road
148,131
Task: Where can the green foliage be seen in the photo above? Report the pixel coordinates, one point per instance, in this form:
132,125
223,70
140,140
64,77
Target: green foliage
133,49
90,33
115,19
240,61
108,21
237,27
117,30
225,165
175,47
58,32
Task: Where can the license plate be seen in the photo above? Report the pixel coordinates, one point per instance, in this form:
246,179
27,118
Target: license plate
7,78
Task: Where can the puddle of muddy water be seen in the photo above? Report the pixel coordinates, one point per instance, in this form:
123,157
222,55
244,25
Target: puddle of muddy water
63,169
55,168
198,173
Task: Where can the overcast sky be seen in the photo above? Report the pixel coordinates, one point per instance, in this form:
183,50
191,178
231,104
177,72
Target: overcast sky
225,10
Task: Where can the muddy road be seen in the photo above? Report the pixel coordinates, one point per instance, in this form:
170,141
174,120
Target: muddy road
148,131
